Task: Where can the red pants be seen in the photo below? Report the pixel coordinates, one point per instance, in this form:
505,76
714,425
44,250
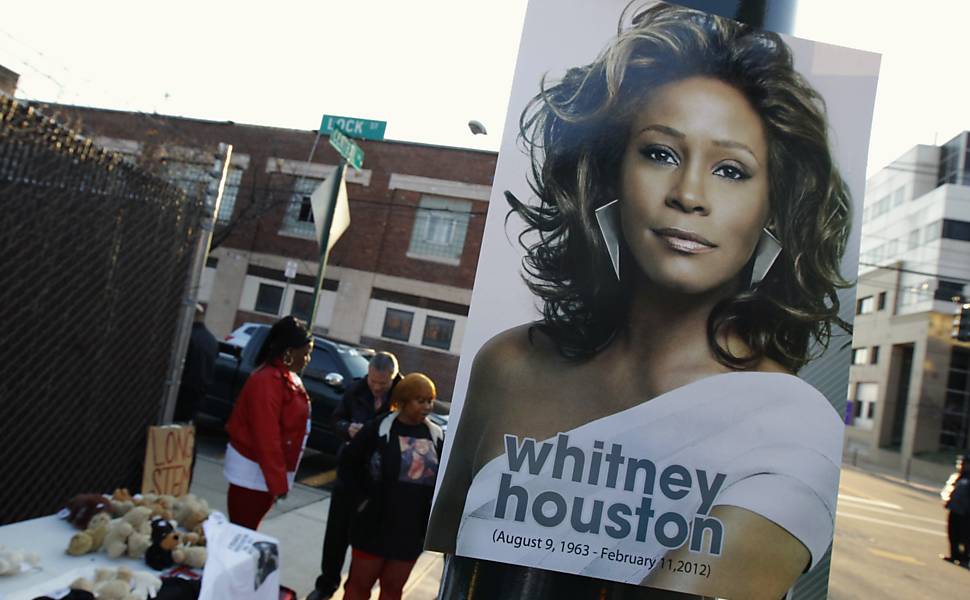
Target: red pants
248,507
366,569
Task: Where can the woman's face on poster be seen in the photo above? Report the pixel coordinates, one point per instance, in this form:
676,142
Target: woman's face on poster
694,185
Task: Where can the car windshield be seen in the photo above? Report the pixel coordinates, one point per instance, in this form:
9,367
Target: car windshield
355,361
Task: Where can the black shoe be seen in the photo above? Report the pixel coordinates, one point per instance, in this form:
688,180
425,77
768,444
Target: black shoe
948,559
318,595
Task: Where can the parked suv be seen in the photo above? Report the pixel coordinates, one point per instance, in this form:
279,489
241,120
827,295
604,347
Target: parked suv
333,367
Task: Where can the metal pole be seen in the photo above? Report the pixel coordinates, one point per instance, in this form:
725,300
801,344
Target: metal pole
210,210
309,161
473,579
325,240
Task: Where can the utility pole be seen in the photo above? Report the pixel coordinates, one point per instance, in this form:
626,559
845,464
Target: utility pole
473,579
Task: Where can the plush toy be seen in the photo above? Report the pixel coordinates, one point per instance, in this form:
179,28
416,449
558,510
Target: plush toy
138,516
164,540
116,540
90,539
190,511
121,502
190,556
81,589
161,506
138,543
199,531
11,561
167,501
159,510
145,584
84,506
115,584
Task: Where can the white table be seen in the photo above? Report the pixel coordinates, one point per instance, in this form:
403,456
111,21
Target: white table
48,537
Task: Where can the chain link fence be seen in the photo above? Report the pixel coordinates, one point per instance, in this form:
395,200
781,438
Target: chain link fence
94,260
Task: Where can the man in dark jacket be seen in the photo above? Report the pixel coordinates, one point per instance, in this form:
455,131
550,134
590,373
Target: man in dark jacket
198,369
364,401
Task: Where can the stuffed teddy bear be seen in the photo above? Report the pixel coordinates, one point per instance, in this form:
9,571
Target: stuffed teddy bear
116,540
81,589
160,506
138,543
164,540
199,532
112,584
11,561
121,502
190,556
90,539
138,516
190,511
84,506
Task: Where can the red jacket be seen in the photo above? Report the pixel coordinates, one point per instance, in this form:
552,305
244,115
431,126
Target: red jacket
269,422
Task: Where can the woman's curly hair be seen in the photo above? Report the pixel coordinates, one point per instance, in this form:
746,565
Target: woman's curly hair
575,132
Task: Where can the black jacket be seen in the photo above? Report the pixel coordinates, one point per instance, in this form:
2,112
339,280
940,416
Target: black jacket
197,372
357,406
389,470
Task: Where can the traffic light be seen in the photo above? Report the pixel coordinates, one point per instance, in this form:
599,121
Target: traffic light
961,324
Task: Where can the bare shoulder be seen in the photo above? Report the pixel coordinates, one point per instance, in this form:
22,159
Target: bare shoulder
514,356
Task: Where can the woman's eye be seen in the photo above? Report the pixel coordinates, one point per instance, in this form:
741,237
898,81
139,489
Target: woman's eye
732,172
661,155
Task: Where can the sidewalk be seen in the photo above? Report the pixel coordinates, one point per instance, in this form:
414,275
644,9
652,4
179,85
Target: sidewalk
299,523
914,482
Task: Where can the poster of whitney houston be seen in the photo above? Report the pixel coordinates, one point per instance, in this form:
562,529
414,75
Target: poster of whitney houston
655,362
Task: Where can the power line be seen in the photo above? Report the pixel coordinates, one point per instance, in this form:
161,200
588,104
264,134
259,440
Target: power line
914,272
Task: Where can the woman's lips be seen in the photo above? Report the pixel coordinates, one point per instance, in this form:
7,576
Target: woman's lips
684,241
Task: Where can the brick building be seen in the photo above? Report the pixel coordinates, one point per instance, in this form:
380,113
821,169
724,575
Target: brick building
399,279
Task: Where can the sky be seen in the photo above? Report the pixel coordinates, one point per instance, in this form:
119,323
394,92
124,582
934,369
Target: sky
426,67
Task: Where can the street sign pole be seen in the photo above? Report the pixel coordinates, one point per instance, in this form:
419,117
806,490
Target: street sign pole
325,240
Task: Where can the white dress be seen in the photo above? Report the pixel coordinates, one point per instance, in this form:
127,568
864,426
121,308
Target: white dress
766,442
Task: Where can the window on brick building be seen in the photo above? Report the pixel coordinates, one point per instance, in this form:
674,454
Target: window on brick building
229,193
268,299
440,226
193,178
881,301
298,220
438,332
874,355
397,324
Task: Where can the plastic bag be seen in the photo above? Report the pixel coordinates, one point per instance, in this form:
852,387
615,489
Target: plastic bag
242,564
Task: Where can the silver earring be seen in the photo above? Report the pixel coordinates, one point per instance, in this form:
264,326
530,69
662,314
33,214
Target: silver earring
608,219
769,247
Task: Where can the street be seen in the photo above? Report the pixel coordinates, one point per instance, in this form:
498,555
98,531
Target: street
887,537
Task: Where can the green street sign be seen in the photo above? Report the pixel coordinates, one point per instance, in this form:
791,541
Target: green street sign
363,129
347,149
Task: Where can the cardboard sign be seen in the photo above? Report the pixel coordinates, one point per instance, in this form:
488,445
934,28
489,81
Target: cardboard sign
671,416
168,460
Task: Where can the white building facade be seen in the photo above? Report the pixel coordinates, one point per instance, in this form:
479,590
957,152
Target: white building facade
909,392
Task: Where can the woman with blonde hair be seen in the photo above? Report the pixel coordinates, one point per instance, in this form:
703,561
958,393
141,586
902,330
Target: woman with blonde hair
390,468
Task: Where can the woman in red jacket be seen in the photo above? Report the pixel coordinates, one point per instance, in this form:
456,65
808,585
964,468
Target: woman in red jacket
269,425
